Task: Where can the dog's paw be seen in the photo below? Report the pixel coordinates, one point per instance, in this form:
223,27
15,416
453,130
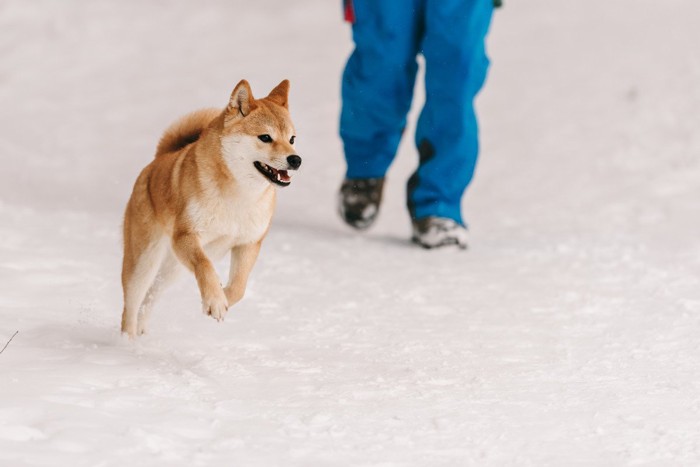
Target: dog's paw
233,294
215,304
129,328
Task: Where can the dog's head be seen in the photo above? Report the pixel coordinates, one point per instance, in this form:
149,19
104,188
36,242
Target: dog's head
258,136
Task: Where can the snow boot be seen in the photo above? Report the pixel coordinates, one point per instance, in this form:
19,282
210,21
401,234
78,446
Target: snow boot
359,200
433,232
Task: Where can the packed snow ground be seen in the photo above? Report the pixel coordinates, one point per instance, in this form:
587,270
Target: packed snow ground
569,333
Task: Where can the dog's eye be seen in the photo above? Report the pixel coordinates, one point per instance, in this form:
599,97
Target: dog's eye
265,138
291,140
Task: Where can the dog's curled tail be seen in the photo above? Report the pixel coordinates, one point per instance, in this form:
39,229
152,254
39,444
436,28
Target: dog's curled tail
186,130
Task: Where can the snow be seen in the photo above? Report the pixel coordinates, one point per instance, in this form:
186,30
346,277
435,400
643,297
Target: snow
566,335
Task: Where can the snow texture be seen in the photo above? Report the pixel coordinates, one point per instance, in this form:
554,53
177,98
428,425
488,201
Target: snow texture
568,334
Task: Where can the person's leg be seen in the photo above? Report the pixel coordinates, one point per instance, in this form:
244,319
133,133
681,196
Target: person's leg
447,135
378,83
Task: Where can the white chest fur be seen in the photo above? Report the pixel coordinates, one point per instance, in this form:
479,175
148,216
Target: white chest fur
224,222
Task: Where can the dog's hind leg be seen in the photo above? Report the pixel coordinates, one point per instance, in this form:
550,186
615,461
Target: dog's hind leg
168,272
138,275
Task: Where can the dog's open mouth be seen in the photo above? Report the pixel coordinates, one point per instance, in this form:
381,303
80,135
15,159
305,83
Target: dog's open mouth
278,177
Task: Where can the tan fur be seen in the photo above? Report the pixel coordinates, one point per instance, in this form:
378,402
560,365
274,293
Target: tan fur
186,130
202,197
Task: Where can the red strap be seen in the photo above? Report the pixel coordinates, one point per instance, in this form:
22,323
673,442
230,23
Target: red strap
349,12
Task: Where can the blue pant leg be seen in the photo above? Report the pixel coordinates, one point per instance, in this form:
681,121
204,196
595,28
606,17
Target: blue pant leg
447,133
378,83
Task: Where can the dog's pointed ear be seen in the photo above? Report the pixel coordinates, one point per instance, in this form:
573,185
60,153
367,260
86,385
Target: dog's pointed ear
280,95
241,102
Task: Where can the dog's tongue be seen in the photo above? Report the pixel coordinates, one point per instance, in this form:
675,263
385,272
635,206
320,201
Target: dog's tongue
283,176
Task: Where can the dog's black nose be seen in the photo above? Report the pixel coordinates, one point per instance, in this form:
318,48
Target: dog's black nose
294,161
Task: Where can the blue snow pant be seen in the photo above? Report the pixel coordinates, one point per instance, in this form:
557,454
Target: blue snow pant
378,88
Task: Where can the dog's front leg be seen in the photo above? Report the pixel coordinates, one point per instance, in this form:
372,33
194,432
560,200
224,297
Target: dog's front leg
242,260
189,251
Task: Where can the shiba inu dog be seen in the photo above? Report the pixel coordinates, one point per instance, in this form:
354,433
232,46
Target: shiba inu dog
210,190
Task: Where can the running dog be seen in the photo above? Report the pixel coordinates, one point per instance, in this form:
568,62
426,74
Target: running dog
210,190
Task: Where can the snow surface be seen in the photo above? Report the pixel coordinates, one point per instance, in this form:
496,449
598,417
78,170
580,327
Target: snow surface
568,334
